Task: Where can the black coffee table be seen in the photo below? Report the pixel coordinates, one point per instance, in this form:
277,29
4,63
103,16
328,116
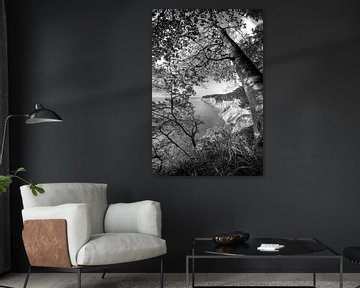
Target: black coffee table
294,248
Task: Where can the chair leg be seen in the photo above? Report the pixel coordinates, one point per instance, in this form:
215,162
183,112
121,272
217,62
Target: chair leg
27,277
79,277
103,275
161,273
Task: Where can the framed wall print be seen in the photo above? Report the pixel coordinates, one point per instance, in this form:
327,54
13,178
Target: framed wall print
207,92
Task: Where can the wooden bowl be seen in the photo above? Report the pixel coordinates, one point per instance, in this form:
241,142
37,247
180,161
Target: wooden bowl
225,239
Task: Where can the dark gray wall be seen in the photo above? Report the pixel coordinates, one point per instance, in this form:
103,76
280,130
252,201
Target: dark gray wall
90,61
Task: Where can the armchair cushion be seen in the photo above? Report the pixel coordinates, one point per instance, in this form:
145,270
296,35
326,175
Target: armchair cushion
78,221
93,194
138,217
113,248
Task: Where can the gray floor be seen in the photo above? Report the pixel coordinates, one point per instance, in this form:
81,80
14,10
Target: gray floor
119,280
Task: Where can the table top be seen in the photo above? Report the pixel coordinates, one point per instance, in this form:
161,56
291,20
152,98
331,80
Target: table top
292,247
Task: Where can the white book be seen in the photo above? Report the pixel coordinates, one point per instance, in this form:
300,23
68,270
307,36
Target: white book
270,247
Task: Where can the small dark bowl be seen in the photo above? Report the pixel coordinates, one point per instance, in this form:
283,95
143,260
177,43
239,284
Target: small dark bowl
241,236
225,239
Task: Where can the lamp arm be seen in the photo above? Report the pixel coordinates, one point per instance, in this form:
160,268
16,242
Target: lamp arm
4,134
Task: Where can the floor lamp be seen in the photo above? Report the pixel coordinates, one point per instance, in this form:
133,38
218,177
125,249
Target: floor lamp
39,115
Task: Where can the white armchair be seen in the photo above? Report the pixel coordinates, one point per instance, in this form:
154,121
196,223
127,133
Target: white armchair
72,228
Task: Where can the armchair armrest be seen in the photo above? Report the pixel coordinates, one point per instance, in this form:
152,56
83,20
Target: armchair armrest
77,217
138,217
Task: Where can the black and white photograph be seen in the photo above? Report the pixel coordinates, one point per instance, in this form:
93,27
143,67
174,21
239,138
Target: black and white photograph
207,92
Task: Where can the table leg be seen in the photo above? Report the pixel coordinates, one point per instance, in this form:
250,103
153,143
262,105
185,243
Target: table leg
187,272
314,271
193,272
341,273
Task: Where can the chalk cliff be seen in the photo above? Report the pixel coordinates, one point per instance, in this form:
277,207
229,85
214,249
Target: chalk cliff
233,108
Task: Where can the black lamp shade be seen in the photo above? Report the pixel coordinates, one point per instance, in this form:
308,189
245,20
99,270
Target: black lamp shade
42,115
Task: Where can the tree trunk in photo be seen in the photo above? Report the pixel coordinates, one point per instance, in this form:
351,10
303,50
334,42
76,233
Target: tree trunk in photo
252,81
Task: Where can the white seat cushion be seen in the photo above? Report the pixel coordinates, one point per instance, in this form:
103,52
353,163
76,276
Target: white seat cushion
113,248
